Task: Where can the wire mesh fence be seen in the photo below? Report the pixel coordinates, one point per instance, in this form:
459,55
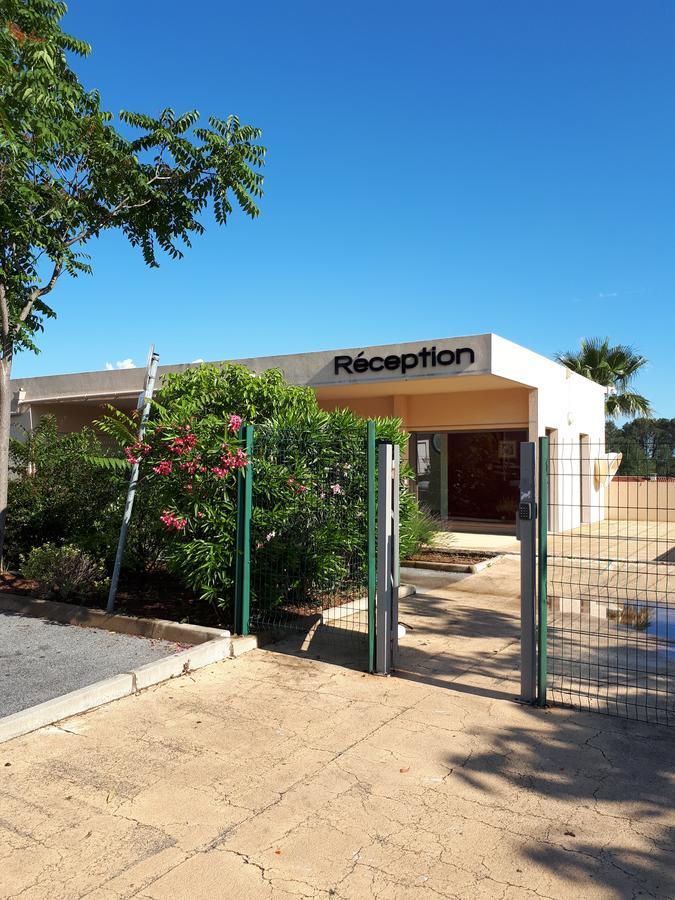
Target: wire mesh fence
610,581
311,572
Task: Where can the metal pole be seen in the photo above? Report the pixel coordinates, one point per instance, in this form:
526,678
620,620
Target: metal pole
384,560
542,631
372,544
527,522
395,552
242,577
144,401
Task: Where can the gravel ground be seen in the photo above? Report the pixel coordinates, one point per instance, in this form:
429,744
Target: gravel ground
40,660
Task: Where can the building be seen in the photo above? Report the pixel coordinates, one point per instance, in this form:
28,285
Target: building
467,402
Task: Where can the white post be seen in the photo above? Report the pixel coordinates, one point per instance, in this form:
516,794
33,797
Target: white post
144,400
527,534
386,606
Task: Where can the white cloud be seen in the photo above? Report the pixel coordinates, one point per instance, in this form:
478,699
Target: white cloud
195,361
127,363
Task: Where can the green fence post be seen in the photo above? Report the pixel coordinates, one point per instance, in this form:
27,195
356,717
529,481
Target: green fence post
542,634
372,543
242,572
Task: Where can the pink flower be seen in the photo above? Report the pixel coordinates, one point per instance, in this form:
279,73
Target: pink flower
229,460
181,445
134,452
171,520
336,489
297,487
191,465
165,467
234,423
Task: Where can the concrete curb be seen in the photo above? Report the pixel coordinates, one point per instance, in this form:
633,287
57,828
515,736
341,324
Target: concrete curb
469,568
356,606
101,692
71,614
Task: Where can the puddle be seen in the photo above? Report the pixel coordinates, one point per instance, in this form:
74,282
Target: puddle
651,619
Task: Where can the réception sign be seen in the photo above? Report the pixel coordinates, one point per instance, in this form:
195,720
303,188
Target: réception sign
403,362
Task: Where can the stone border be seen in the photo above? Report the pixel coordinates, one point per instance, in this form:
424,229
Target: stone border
335,613
71,614
101,692
468,568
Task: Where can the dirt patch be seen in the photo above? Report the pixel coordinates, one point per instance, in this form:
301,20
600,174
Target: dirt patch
456,557
152,596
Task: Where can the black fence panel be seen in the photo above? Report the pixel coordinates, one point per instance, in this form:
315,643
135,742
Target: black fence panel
610,583
311,573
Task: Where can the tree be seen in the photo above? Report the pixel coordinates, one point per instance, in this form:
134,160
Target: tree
67,174
647,446
615,368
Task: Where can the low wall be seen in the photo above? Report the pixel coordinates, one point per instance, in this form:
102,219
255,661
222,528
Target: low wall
641,499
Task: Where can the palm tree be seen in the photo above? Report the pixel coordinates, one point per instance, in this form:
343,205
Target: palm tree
614,368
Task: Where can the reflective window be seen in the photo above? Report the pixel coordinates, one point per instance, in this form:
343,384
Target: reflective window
468,475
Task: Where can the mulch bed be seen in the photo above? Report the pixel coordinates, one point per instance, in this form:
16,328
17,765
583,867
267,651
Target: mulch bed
152,596
459,557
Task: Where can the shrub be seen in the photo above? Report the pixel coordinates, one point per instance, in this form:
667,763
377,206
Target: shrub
192,453
64,572
58,495
417,526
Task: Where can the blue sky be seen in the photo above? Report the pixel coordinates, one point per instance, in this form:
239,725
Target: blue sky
435,168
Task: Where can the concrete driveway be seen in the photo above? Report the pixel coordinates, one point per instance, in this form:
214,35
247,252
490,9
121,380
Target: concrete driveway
275,775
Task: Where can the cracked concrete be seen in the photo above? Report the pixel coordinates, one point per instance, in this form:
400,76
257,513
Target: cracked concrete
277,775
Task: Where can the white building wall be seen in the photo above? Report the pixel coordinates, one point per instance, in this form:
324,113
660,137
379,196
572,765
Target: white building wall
566,406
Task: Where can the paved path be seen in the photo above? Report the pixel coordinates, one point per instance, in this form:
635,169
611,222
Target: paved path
40,660
279,776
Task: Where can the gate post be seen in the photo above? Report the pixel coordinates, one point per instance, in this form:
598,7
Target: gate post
372,542
386,611
395,552
242,566
527,535
542,631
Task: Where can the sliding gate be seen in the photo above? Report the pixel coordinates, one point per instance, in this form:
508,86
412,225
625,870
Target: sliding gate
606,592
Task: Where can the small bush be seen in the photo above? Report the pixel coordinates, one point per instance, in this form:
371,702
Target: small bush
64,572
417,526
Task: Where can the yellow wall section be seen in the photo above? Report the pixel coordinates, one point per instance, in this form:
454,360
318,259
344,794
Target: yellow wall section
477,410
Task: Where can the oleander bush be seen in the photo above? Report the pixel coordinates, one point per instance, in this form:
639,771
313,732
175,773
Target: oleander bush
309,510
309,483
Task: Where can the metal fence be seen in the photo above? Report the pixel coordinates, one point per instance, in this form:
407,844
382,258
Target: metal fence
306,560
606,591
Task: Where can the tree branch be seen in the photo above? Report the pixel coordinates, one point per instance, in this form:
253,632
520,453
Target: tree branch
40,292
4,312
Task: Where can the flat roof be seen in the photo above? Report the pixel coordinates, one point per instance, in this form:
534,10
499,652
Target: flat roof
468,362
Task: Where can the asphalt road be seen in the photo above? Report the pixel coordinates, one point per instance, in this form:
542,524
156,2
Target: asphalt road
40,660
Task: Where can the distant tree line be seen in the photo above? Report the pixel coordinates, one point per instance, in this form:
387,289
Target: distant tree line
647,445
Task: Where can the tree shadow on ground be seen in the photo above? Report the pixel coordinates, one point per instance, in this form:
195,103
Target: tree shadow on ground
445,642
606,785
616,779
455,643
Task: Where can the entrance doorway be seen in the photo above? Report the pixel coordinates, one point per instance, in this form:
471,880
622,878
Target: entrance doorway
468,476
